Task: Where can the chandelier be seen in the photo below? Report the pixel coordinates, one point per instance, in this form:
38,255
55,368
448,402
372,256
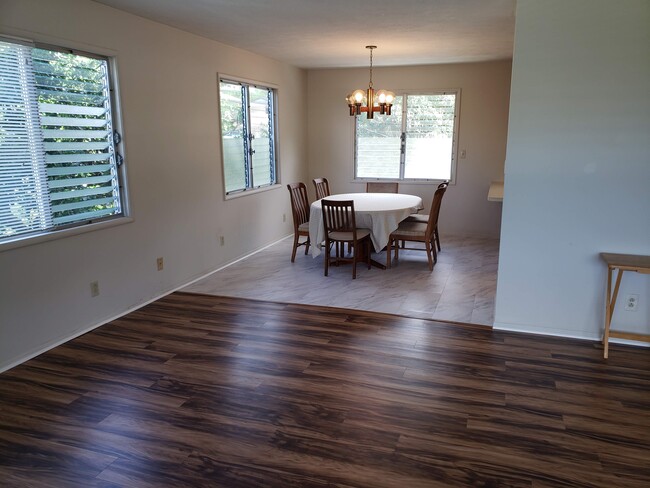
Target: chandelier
370,101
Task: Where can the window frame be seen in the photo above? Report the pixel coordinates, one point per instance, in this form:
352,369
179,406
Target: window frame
250,190
119,147
454,143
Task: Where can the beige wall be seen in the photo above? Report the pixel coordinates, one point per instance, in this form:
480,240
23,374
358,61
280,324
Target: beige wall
168,82
483,128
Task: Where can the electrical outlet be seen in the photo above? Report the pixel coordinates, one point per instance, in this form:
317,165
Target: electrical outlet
632,302
160,264
94,288
222,240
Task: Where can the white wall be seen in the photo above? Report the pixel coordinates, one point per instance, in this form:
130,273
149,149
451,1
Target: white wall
168,82
483,129
577,177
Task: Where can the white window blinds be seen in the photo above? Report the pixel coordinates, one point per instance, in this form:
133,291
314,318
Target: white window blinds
24,205
58,164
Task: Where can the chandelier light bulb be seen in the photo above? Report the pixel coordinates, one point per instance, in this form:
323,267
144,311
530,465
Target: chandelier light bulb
359,95
370,101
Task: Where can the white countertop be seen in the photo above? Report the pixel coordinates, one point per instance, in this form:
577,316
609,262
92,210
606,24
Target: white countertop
495,194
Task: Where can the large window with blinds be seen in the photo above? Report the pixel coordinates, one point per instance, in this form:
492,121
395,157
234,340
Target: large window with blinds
248,135
60,164
417,142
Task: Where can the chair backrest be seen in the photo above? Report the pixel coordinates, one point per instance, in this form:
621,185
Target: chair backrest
435,209
338,216
322,188
380,187
299,203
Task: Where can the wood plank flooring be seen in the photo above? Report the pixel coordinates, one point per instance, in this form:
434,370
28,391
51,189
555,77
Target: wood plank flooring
197,390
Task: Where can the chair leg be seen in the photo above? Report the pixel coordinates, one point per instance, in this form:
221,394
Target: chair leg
429,254
307,244
368,244
437,236
326,255
354,262
388,246
397,249
295,247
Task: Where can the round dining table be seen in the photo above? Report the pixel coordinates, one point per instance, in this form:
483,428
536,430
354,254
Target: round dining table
381,213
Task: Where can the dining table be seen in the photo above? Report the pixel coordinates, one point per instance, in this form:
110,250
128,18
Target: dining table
381,213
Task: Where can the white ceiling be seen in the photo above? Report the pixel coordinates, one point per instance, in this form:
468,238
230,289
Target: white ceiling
334,33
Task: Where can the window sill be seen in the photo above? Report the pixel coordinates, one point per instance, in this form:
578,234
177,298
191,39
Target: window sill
60,234
402,182
244,193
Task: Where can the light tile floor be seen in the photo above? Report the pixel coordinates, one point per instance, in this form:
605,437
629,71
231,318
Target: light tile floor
461,288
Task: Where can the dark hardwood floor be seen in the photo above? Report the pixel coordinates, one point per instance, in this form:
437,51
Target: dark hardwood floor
197,390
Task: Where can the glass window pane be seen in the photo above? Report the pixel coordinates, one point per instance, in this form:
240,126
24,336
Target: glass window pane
261,129
378,144
429,136
232,128
75,115
58,157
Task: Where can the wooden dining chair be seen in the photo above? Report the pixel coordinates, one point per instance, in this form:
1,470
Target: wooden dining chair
381,187
424,218
340,227
322,187
300,211
418,232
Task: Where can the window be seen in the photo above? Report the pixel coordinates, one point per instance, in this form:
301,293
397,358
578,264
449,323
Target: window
59,166
247,135
416,142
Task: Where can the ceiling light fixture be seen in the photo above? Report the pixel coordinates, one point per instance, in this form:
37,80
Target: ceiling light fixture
368,101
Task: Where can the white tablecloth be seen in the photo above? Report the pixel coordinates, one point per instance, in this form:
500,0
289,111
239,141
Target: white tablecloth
379,212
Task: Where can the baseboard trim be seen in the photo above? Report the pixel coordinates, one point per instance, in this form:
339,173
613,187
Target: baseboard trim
15,362
554,332
52,345
246,256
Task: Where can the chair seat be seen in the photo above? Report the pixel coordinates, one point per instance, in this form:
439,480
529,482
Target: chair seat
348,236
304,227
411,229
418,218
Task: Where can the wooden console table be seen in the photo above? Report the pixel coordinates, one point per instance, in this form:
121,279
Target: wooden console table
622,262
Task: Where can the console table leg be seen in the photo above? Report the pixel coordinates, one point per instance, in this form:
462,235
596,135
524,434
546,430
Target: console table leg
610,304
